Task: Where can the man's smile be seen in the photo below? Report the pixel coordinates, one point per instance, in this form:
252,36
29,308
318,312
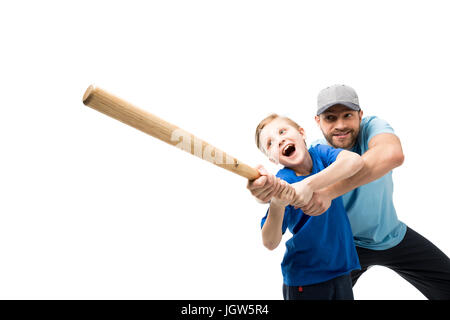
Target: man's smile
342,135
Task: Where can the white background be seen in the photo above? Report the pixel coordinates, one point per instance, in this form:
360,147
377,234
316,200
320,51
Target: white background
93,209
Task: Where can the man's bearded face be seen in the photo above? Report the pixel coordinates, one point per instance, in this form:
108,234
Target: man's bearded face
340,126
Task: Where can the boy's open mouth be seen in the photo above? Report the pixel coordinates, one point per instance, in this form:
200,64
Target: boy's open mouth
288,150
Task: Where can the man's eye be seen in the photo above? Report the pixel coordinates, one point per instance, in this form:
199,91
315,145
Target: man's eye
330,118
348,115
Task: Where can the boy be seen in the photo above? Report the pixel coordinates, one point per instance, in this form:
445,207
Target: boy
321,254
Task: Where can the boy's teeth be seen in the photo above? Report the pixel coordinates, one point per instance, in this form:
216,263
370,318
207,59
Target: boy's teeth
286,146
285,149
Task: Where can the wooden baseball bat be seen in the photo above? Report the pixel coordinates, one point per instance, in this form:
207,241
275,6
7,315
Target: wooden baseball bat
127,113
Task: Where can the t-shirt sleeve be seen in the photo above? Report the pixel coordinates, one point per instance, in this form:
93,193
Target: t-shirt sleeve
327,154
376,126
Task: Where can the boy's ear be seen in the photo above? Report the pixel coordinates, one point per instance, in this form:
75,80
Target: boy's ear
317,118
302,132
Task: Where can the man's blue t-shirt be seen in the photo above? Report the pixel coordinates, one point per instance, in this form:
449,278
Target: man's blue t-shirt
370,208
321,247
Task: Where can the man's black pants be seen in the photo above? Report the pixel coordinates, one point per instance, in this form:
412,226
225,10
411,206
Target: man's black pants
417,260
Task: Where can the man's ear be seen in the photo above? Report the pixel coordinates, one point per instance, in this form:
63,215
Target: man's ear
360,113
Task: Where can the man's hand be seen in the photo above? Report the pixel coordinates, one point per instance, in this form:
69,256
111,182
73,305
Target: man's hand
319,203
265,187
303,193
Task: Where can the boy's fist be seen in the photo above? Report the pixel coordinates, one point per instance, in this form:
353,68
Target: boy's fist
286,195
265,187
303,194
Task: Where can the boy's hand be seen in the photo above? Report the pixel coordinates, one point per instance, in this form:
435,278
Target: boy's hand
285,195
303,194
265,187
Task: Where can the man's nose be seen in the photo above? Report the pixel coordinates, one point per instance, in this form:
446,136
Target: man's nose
339,124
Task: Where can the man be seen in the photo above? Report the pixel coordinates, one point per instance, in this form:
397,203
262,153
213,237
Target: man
380,238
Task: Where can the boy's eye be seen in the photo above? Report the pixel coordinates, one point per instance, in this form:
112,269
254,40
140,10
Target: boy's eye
269,143
282,131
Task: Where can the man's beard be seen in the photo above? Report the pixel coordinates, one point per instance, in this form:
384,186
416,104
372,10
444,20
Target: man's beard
346,143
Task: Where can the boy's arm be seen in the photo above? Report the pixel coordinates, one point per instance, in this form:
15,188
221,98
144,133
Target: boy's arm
346,165
384,154
272,229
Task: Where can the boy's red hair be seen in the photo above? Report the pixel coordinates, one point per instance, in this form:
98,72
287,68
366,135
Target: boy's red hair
268,120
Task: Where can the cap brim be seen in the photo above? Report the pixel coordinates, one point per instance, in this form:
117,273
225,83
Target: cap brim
350,105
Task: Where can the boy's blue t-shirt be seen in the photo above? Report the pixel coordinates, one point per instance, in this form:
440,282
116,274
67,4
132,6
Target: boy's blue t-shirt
321,247
370,208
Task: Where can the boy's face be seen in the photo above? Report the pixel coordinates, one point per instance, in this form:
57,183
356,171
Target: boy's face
340,126
283,143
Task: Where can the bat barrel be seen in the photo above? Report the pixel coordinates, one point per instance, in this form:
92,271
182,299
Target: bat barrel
142,120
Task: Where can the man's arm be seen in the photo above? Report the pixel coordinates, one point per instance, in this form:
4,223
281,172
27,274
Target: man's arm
346,165
384,154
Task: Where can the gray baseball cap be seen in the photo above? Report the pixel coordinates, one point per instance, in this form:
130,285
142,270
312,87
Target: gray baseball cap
337,94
